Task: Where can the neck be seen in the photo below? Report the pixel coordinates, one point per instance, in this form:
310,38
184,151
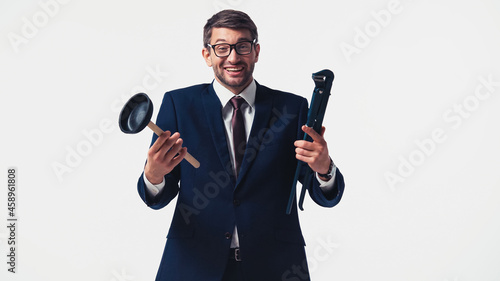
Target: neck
235,90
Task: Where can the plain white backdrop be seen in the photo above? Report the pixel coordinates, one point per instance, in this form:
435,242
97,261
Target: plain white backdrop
413,124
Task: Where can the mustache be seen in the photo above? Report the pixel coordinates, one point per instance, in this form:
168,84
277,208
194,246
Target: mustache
242,64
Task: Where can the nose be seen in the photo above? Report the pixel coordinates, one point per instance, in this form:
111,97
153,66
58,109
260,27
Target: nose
233,56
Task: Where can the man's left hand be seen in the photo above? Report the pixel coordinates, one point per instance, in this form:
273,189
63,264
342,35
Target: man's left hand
314,153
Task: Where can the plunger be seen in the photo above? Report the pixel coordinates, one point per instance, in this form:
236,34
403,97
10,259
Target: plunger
136,115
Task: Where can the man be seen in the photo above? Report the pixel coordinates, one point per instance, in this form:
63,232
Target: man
230,222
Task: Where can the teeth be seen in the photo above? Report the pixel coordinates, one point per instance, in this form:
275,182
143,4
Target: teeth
234,69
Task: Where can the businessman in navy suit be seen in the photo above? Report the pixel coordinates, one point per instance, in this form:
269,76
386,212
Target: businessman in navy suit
229,221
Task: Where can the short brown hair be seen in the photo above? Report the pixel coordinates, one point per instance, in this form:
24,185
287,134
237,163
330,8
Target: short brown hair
229,19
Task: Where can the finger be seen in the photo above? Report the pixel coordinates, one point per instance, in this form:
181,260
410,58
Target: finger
314,162
167,146
174,150
323,129
312,133
307,145
160,151
303,158
160,141
154,151
177,159
306,153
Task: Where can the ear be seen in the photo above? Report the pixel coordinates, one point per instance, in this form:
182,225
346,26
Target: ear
206,55
257,51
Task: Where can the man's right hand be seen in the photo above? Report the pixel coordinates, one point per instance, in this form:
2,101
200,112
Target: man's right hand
166,153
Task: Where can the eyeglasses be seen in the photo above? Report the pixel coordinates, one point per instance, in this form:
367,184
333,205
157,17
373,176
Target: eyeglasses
224,50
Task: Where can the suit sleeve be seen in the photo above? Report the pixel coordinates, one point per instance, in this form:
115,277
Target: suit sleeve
166,120
324,199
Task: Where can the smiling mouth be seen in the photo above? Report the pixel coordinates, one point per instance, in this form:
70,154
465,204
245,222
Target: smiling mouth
233,69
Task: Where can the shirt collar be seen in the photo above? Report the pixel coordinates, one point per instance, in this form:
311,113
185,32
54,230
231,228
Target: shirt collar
225,95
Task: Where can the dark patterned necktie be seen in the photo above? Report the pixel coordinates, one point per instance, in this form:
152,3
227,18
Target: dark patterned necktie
239,135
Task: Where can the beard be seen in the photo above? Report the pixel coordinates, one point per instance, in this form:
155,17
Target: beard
235,83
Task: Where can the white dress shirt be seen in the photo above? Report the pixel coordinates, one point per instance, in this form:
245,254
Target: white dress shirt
248,111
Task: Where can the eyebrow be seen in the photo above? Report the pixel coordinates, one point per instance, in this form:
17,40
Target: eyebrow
224,40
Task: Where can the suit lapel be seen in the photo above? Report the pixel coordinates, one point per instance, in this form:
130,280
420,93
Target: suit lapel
263,109
213,115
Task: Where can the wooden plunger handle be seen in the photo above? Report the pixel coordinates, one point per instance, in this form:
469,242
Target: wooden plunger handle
188,156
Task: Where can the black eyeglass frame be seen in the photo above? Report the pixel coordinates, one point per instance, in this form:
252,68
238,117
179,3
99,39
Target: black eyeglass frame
233,46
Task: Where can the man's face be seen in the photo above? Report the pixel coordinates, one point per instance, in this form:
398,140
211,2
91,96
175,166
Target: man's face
234,71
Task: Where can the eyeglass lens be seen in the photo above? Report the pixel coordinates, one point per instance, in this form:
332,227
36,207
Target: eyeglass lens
242,48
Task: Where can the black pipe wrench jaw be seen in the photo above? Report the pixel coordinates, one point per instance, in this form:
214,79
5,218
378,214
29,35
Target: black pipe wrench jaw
323,81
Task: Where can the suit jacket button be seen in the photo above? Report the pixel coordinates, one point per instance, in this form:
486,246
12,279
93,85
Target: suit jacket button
236,202
228,235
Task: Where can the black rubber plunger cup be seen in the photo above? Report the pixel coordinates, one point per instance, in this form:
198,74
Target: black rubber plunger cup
136,115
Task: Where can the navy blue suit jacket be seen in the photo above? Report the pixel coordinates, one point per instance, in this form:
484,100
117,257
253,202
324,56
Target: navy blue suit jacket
211,201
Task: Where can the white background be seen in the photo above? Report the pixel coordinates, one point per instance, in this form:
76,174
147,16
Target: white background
66,69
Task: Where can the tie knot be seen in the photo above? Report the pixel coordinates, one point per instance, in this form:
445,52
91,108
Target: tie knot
237,102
